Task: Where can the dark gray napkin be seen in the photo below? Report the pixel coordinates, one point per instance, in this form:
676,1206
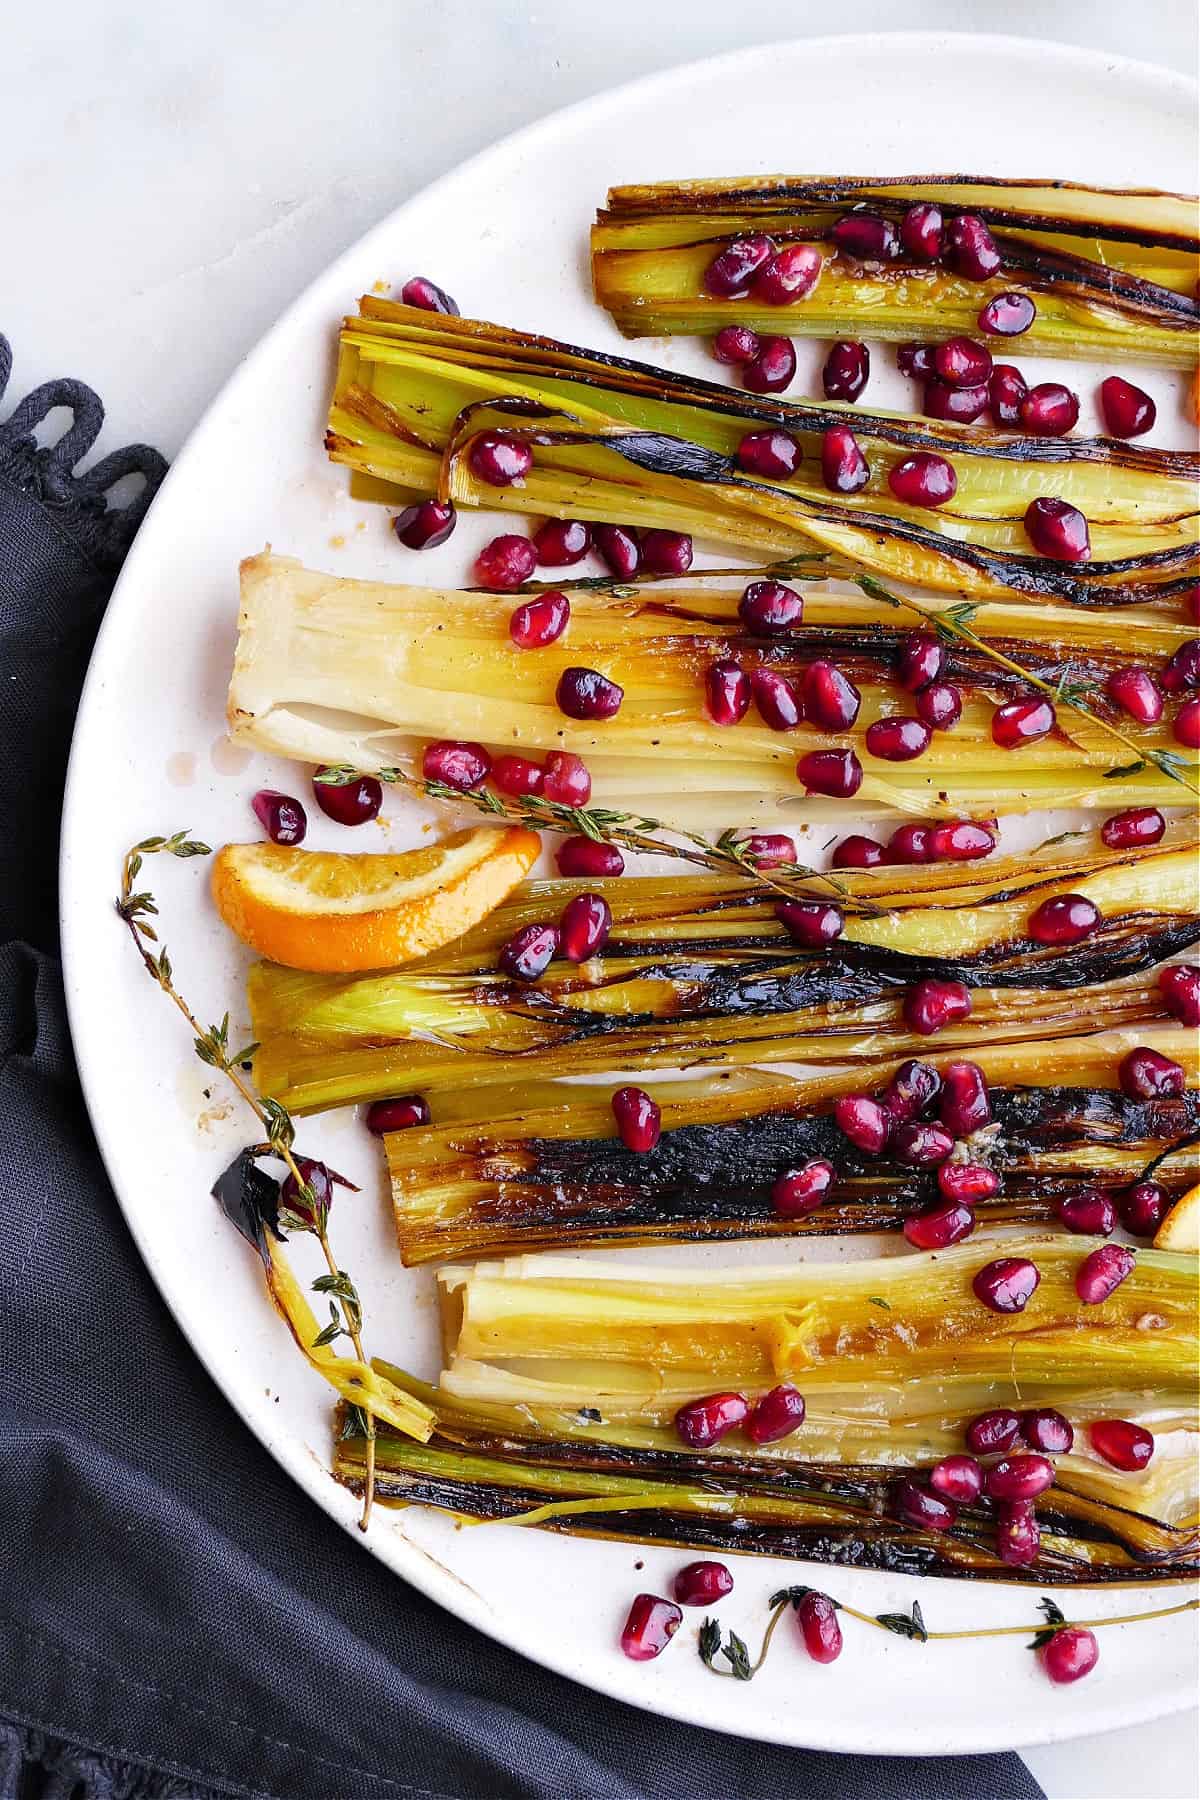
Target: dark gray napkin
175,1617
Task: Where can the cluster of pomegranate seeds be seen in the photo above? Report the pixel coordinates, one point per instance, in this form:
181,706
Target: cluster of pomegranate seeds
1139,825
1179,986
584,857
801,1191
420,291
566,780
1070,1654
505,562
1089,1212
617,549
776,1415
1128,411
847,370
931,1005
770,849
776,699
957,1478
282,818
1135,692
791,274
817,1622
773,369
536,623
1006,394
348,802
1146,1074
923,479
1006,1285
726,692
769,607
736,344
702,1584
639,1121
1102,1272
651,1625
400,1114
586,694
922,1507
1057,530
1064,919
866,237
771,455
1020,722
1050,409
1007,315
844,468
1143,1209
425,525
898,739
831,699
666,552
702,1423
941,1227
837,773
584,927
457,765
561,542
529,953
813,923
499,460
519,776
1122,1443
858,852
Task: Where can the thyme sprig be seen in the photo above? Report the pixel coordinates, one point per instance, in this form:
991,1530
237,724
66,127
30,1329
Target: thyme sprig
211,1044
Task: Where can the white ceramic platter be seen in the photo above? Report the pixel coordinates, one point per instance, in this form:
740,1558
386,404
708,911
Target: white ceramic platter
507,234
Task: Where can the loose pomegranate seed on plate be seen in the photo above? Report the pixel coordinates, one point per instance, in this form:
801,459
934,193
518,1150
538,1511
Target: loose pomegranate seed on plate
776,699
813,923
1136,693
1064,919
858,852
1143,1209
400,1114
921,659
863,1121
499,460
831,699
536,623
916,1142
1070,1654
1019,1478
910,844
865,236
1007,315
1128,411
791,274
800,1191
561,542
517,775
1049,409
769,607
639,1122
1006,394
1139,825
961,404
773,369
731,271
1146,1074
1102,1272
944,1226
529,952
929,1006
1179,986
584,927
618,549
1042,1428
912,1090
1018,1534
1006,1285
971,248
961,841
505,563
846,371
967,1182
667,552
776,1415
920,1506
960,362
1122,1443
1186,728
772,455
651,1625
1089,1212
736,344
566,780
921,231
425,525
770,849
701,1423
586,694
923,479
965,1104
993,1431
726,692
957,1478
702,1584
820,1633
420,291
352,802
282,817
584,857
915,360
844,468
1020,722
456,765
1057,530
897,739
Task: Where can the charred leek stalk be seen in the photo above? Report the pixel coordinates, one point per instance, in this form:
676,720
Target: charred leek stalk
349,672
538,1164
624,441
702,972
1111,272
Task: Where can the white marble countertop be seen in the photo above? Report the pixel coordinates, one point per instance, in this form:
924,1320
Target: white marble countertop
176,173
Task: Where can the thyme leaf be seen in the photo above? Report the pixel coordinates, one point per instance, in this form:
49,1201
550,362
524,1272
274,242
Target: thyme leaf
905,1625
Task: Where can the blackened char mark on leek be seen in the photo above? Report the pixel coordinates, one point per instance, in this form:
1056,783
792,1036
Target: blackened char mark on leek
1039,1119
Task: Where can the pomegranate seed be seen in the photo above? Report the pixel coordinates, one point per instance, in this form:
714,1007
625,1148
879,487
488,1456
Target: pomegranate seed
963,841
400,1114
913,1088
517,775
847,369
727,692
1070,1654
1182,673
584,857
858,852
1090,1213
820,1632
1128,411
831,699
584,927
529,953
1020,722
730,273
962,404
1019,1478
425,525
921,231
1018,1534
923,479
776,699
915,360
1186,728
957,1478
813,923
1042,1428
314,1206
500,461
1102,1272
770,849
1057,530
736,344
866,237
960,362
921,660
701,1423
618,550
837,773
768,454
1122,1443
456,765
567,781
920,1506
965,1104
971,248
843,466
776,1415
993,1431
561,542
791,274
863,1121
1135,693
1179,986
702,1584
1143,1209
651,1625
910,844
1007,315
1140,825
768,607
282,818
897,739
945,1225
967,1182
929,1006
1065,919
420,291
1006,394
639,1121
1049,409
1147,1075
1190,598
505,563
800,1191
586,694
351,802
1006,1286
536,623
667,552
772,369
915,1142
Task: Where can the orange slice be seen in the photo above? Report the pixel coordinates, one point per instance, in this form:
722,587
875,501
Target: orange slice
314,909
1180,1230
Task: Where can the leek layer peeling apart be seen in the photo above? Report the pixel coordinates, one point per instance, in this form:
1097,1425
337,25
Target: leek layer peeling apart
329,670
700,971
537,1163
624,441
1112,273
